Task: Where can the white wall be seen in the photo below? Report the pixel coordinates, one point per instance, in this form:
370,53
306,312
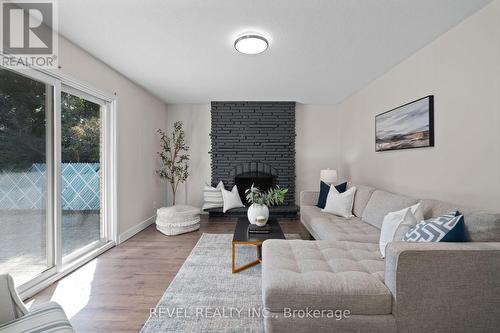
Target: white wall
317,144
139,115
462,70
197,123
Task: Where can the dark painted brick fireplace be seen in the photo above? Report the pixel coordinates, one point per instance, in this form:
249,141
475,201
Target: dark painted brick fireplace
254,139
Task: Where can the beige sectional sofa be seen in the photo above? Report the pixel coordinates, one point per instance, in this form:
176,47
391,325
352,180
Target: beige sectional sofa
418,287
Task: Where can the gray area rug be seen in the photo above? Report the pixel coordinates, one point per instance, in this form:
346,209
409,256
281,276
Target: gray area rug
205,296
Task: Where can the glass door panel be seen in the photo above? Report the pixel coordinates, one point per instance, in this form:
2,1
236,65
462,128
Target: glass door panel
81,173
26,242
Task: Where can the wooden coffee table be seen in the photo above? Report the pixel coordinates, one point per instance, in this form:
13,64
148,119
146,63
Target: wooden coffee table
241,236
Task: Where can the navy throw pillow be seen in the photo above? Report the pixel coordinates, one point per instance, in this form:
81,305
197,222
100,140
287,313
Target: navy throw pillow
457,233
324,188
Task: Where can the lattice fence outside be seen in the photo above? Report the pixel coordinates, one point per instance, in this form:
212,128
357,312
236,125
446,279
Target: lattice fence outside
27,190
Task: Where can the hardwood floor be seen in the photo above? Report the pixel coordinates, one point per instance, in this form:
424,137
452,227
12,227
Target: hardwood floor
114,292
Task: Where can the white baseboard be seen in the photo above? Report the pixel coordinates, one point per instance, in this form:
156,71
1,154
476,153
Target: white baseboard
135,229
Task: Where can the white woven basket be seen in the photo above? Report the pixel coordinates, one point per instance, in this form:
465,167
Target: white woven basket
177,219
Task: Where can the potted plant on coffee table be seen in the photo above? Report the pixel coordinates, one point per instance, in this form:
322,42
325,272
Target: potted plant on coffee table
260,200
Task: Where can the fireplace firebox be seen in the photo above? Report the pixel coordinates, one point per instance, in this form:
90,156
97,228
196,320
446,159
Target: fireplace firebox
264,181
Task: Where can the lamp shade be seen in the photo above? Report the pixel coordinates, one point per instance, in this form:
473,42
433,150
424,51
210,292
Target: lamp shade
329,176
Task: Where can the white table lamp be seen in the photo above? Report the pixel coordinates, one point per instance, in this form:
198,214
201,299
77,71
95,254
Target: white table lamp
329,176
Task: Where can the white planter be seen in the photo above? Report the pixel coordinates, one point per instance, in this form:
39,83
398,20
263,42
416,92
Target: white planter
257,210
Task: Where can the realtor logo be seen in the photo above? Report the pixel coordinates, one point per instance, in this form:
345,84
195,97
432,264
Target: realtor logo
28,35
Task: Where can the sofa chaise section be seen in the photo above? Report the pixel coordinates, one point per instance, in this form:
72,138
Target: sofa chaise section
325,275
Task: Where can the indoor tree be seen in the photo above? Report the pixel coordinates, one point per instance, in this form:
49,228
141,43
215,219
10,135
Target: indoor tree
174,157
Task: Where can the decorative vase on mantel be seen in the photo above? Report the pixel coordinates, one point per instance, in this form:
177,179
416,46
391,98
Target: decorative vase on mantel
256,210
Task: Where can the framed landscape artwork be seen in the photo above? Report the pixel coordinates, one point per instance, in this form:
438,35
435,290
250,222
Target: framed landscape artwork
407,126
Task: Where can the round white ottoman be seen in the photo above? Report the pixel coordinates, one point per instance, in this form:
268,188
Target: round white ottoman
177,219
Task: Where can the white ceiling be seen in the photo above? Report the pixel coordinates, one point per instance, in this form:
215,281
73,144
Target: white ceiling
321,51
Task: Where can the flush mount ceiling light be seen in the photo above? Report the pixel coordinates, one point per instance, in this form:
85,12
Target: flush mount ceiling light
251,44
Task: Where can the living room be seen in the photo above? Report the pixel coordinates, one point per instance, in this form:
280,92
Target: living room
284,166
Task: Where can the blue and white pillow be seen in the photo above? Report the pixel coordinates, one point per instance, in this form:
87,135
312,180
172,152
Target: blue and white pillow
446,228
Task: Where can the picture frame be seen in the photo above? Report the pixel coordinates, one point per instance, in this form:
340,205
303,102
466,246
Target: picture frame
409,126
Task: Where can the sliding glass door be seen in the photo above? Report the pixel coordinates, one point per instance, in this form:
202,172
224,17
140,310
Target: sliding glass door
26,248
82,176
56,177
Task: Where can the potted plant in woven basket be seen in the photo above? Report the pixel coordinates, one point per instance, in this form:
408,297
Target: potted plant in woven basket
260,200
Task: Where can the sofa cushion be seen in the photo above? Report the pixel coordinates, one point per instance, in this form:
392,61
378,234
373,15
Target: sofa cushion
310,216
480,226
363,194
381,203
435,208
324,226
324,275
353,230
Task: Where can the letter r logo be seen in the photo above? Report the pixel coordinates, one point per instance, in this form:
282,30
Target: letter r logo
27,27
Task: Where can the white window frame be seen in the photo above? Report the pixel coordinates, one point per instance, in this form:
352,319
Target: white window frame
105,171
58,268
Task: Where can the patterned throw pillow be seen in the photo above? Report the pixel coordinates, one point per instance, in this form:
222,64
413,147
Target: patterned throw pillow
446,228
